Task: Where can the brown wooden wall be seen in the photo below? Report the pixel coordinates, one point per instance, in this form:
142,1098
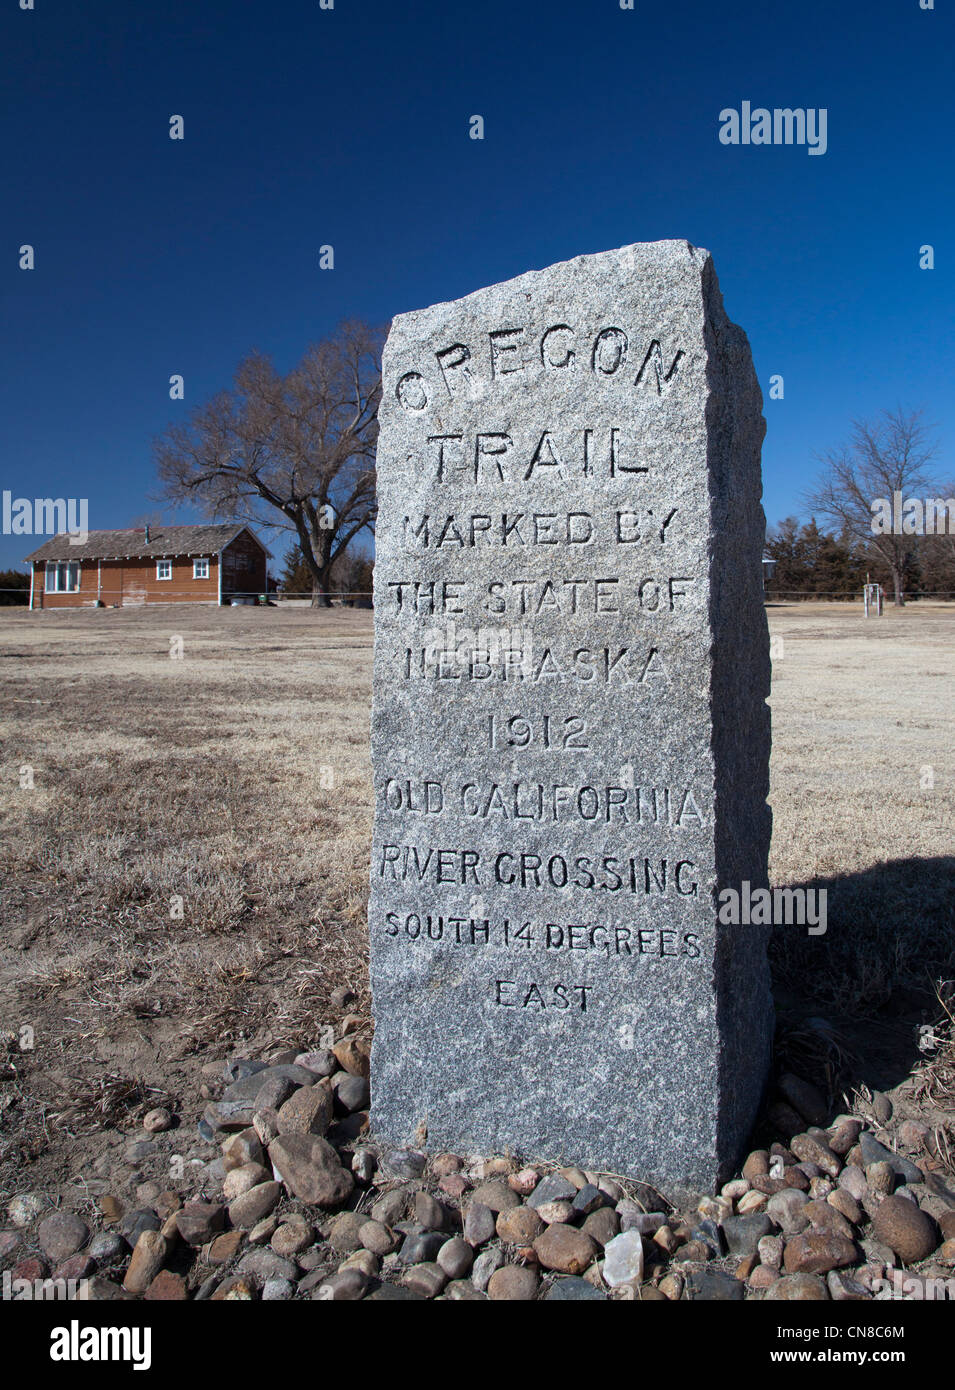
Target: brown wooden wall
129,583
244,566
85,596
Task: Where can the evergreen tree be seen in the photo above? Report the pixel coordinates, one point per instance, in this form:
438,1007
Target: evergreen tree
14,588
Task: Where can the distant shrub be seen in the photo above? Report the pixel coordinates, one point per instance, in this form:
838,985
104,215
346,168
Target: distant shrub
14,588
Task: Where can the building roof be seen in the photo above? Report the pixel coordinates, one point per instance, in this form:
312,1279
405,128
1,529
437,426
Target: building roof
163,542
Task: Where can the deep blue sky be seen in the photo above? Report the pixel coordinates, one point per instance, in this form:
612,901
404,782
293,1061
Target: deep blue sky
350,126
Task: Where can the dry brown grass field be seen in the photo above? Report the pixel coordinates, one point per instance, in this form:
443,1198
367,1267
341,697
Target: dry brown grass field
238,780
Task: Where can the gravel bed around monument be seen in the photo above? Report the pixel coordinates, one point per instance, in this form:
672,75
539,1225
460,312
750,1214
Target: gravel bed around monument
295,1200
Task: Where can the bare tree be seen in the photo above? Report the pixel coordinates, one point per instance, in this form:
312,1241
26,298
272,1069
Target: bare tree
301,446
882,458
938,547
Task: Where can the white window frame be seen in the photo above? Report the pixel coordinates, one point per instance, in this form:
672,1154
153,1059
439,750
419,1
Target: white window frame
163,565
67,570
200,569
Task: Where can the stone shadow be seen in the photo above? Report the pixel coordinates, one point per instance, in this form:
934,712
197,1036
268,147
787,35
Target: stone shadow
853,1005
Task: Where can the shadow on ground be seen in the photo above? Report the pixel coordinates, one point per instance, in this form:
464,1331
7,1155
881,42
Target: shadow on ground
850,1004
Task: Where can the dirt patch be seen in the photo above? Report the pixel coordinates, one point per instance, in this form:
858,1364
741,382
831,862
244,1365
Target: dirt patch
188,868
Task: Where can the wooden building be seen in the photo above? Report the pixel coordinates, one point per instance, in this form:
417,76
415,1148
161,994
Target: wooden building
153,564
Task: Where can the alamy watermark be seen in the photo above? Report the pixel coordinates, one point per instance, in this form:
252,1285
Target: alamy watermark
913,1287
913,517
783,125
77,1343
15,1290
774,907
46,516
450,652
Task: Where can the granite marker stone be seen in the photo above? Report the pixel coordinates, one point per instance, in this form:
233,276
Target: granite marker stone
570,730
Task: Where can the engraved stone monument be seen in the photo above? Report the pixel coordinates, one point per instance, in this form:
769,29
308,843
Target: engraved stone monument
570,734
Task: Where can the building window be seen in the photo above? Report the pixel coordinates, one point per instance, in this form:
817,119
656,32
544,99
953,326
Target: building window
163,569
62,577
200,569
